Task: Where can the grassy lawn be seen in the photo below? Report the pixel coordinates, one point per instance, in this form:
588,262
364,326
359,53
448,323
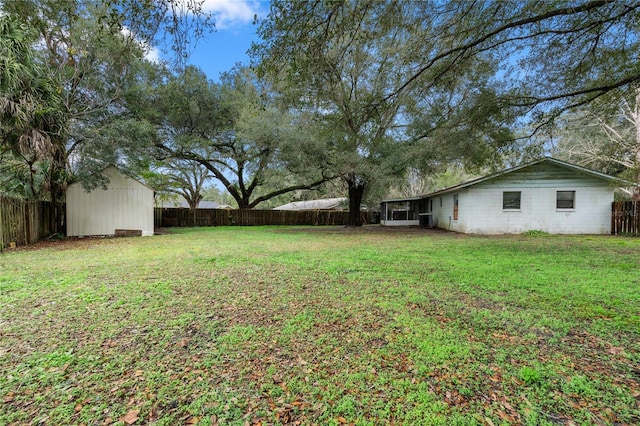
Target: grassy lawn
272,325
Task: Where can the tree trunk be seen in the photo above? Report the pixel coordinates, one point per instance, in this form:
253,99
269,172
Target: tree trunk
356,190
636,121
56,204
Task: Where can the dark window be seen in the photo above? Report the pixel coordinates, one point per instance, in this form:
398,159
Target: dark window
511,200
565,199
455,207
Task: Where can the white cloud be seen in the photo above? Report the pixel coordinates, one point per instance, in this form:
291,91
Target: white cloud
151,53
232,13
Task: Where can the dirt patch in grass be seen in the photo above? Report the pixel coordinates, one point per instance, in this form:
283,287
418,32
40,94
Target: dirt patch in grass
366,229
62,244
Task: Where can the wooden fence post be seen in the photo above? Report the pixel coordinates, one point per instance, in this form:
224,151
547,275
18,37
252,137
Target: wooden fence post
180,217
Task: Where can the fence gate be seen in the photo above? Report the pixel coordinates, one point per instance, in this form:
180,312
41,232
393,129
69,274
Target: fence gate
625,218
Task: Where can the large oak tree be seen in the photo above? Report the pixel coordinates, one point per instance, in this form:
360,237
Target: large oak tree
233,129
458,72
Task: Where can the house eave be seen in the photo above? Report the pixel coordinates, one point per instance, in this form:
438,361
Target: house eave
551,160
394,200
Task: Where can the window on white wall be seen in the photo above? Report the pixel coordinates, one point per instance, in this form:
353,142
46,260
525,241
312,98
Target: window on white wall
511,200
566,199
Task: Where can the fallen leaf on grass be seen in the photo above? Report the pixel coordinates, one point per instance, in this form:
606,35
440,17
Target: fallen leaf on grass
616,350
131,417
153,414
504,416
108,344
183,343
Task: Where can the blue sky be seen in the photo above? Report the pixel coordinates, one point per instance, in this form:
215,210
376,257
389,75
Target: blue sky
219,51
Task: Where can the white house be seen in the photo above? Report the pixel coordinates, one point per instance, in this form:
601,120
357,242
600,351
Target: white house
548,195
126,206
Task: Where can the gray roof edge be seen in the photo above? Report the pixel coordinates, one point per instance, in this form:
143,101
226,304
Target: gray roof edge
548,159
551,160
391,200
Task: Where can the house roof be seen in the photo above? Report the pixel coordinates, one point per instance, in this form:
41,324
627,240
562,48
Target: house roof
549,160
182,203
322,204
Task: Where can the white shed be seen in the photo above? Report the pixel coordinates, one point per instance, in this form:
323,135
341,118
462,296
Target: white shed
548,195
126,206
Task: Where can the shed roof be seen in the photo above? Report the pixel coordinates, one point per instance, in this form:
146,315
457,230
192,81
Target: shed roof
117,170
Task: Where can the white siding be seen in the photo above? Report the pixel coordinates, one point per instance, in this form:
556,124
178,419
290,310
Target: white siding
443,216
480,203
591,215
125,204
480,206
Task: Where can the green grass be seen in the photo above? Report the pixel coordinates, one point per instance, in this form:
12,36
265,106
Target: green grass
322,326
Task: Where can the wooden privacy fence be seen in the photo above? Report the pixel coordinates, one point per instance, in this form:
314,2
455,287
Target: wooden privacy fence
625,218
177,217
25,222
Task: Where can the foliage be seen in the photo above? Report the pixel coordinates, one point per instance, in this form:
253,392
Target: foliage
30,114
173,25
232,129
321,326
20,179
88,61
183,178
356,70
459,73
417,183
605,137
222,197
89,50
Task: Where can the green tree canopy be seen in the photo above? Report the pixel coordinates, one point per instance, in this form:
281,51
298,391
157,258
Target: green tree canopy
31,120
448,78
90,50
605,136
233,129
